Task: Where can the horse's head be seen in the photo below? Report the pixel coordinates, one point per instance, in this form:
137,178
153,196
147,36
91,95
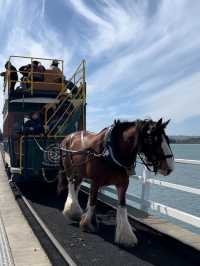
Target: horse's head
155,147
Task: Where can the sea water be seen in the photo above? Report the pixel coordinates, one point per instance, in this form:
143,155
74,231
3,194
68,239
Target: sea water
184,174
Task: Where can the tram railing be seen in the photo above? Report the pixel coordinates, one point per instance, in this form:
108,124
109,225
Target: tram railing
28,84
148,205
77,92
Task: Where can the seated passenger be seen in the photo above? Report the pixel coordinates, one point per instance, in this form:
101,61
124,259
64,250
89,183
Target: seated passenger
54,65
11,76
38,71
25,70
32,72
34,125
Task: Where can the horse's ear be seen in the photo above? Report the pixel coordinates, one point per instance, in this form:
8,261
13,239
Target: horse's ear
116,122
159,123
165,123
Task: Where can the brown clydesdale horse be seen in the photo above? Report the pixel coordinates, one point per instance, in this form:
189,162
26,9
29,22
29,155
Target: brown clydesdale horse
106,159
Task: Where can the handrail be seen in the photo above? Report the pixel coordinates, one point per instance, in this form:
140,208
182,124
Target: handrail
70,114
146,204
30,57
78,82
186,161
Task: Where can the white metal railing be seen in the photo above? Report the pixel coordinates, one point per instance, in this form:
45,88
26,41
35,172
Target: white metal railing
146,204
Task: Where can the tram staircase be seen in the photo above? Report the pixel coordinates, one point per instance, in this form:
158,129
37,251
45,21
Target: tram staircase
68,109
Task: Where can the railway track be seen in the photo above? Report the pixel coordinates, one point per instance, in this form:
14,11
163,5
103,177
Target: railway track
53,248
66,245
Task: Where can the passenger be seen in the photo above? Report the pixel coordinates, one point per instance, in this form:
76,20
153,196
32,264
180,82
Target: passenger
11,76
32,72
40,75
36,67
34,125
54,65
25,70
72,87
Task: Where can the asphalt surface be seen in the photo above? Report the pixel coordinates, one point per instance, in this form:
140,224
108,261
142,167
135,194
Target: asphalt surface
96,249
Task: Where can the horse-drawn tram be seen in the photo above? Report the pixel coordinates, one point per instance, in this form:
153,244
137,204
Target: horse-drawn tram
40,107
44,137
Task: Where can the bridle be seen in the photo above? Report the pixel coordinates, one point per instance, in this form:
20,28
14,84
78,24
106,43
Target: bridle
153,158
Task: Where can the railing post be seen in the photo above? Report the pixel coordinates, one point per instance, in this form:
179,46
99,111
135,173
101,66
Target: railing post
145,189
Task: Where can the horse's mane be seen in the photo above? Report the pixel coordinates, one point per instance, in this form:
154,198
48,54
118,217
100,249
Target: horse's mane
123,125
120,126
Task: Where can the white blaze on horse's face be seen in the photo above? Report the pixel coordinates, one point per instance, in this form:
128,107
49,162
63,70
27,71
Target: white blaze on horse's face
168,166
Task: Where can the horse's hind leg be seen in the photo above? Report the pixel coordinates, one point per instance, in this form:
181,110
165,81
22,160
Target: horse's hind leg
72,208
88,221
124,233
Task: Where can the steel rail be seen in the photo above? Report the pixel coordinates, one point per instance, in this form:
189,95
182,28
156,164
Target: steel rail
54,241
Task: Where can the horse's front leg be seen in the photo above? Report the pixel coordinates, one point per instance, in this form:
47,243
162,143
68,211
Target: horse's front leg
124,234
88,221
72,208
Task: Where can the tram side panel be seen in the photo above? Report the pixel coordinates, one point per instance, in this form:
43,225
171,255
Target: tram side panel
39,157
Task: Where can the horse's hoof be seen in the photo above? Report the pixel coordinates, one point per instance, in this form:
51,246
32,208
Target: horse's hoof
128,241
73,213
88,226
72,216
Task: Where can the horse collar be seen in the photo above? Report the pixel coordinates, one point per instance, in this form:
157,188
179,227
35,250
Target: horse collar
108,153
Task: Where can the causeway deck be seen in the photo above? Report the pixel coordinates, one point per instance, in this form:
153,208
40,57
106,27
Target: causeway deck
154,248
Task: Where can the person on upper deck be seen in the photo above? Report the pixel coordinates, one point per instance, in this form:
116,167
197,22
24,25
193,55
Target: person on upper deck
39,70
54,65
11,76
31,72
25,70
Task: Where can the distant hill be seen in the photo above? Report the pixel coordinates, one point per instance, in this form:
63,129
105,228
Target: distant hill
185,139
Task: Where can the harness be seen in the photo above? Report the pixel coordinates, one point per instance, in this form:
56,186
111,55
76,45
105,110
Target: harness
107,154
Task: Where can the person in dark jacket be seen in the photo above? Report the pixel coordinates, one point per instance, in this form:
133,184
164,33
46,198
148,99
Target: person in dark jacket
34,125
25,70
11,76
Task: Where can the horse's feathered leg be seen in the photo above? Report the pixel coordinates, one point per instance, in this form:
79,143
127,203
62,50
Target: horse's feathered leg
88,221
72,208
124,233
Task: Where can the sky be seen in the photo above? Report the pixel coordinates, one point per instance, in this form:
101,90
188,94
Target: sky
143,56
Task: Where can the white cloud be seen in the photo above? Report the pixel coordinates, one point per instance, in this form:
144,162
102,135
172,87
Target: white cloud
135,50
114,26
178,102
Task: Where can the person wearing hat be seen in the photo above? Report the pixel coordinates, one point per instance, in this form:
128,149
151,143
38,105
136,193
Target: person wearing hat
54,65
11,76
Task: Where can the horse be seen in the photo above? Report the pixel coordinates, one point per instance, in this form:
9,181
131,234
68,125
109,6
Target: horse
108,158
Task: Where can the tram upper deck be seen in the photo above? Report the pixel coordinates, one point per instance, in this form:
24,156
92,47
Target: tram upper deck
38,84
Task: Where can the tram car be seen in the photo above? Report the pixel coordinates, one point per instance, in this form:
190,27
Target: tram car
40,107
